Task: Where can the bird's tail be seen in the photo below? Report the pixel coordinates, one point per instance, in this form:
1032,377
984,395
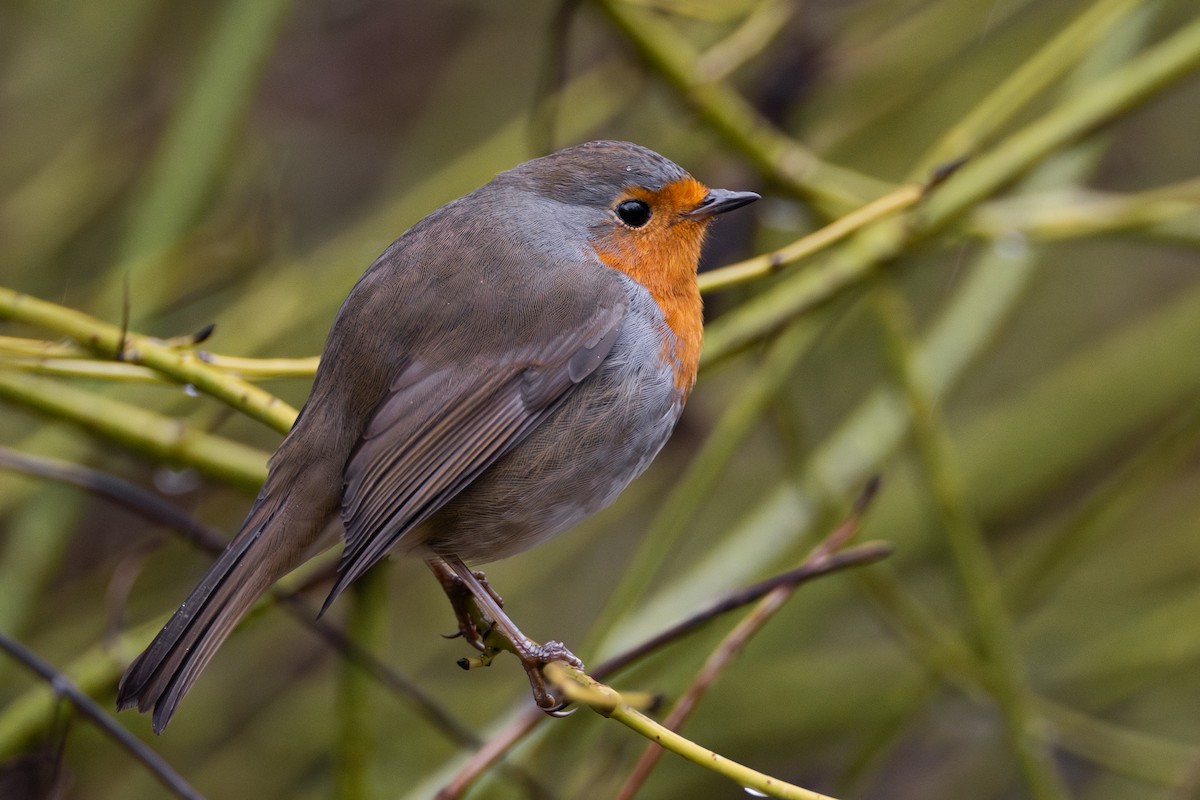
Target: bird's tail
268,546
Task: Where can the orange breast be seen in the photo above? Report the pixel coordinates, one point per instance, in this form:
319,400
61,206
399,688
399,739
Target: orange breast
662,256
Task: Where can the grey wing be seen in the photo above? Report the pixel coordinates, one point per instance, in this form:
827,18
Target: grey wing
411,461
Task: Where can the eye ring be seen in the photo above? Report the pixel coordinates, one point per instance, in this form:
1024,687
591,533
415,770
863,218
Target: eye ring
634,213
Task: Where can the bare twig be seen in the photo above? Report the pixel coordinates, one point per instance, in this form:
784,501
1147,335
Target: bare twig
520,726
580,687
153,508
118,492
737,638
184,366
864,554
63,687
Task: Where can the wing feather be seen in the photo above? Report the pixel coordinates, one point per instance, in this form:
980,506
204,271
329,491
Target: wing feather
439,428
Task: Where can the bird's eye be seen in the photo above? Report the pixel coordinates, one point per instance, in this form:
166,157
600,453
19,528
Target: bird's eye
634,213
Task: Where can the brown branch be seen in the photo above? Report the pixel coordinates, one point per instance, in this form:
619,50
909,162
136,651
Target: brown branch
769,604
63,687
867,553
118,492
521,725
151,507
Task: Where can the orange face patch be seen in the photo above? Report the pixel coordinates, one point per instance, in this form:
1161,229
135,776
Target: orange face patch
662,255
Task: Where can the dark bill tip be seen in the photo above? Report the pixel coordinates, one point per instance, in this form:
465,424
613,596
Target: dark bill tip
718,201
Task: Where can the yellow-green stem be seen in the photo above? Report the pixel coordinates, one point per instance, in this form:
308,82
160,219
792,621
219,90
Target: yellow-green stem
609,703
180,365
162,438
968,550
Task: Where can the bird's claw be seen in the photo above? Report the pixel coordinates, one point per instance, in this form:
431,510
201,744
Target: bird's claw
542,654
560,710
534,657
475,603
483,581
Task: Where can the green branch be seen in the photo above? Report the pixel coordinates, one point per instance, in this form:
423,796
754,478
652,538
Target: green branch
1096,104
836,189
158,436
180,365
608,702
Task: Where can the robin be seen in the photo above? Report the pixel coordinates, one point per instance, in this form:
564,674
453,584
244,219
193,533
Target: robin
503,370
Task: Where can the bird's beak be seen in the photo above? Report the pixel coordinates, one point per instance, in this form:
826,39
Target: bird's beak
718,201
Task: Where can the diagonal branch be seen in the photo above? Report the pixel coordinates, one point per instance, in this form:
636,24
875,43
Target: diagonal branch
737,638
836,189
63,687
580,687
824,561
181,365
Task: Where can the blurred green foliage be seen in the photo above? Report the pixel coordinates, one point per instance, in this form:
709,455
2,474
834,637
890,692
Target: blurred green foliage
172,165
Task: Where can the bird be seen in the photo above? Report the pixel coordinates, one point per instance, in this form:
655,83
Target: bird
503,370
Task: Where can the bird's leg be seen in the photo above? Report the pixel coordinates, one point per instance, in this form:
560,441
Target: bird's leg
487,587
460,596
533,656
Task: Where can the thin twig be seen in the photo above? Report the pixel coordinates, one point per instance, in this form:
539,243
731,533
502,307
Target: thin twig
117,491
737,638
64,687
608,702
521,725
182,366
761,266
969,553
126,306
867,553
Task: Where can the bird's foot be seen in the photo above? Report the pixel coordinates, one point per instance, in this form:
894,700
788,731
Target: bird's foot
534,657
462,602
487,587
475,602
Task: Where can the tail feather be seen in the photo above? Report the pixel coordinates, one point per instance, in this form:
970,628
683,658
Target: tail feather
276,537
207,642
161,675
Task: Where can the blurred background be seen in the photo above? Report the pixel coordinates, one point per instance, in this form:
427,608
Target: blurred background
1022,370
